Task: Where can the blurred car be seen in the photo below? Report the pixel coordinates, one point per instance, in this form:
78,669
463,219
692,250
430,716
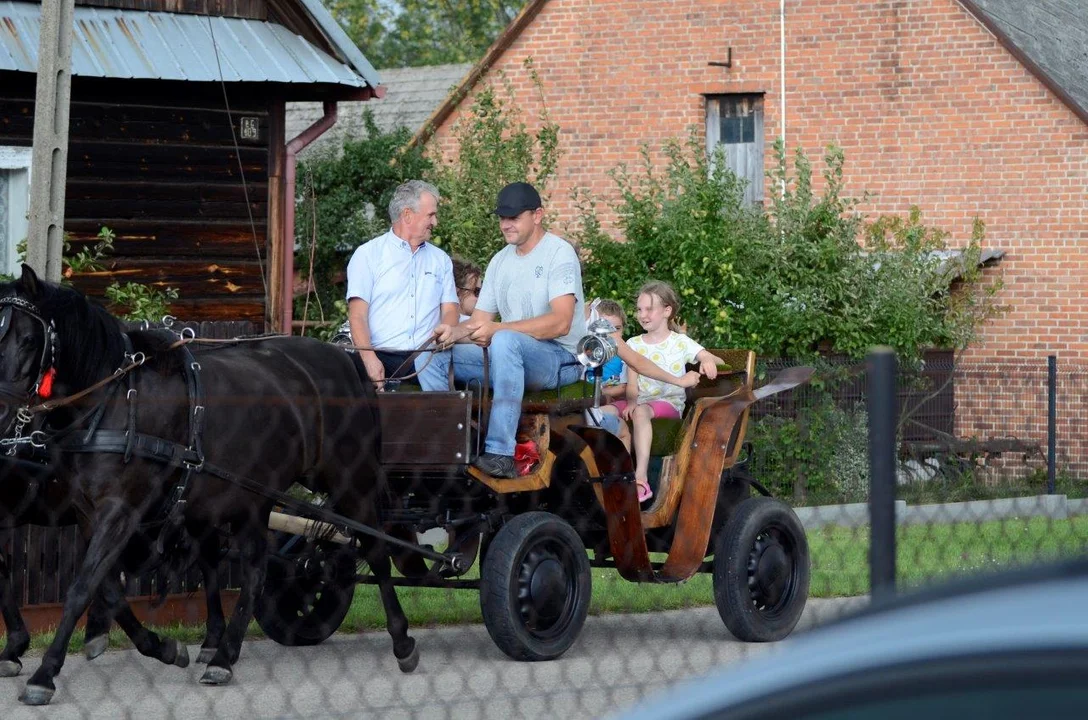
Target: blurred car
1008,646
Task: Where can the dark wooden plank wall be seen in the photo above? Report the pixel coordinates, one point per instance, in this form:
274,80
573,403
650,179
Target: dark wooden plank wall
156,163
252,9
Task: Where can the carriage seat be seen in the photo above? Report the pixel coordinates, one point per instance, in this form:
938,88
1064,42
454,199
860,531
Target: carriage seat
737,368
572,398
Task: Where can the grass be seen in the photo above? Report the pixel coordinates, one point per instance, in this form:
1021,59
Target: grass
925,553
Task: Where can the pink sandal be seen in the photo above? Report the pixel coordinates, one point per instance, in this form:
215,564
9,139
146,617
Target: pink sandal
644,493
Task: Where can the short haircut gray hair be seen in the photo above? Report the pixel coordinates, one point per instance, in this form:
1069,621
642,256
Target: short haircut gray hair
407,195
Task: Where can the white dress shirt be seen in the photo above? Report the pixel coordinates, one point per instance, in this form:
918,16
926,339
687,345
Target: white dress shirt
404,289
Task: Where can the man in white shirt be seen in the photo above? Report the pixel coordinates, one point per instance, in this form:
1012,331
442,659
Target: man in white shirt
400,287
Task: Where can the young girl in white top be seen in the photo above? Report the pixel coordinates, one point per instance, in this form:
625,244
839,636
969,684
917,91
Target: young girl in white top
664,345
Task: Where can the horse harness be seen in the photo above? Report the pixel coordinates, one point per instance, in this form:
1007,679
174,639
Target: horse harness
130,443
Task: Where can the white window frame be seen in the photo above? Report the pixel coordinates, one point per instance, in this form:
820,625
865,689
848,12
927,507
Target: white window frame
15,164
745,159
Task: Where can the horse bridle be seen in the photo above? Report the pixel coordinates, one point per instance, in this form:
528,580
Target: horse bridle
43,385
8,305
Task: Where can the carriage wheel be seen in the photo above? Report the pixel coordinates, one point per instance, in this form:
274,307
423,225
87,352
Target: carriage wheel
761,570
535,586
308,590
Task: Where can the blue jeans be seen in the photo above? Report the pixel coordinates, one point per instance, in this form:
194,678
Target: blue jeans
517,362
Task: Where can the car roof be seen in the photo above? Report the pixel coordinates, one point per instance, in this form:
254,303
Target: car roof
1028,610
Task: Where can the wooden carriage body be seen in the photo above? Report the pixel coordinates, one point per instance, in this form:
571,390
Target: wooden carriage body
430,469
533,538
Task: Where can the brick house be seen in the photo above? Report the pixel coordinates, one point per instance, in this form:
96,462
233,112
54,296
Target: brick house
964,107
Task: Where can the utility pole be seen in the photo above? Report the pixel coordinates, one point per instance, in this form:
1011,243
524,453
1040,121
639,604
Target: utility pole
49,161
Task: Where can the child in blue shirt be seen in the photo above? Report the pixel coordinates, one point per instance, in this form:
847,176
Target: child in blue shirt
613,372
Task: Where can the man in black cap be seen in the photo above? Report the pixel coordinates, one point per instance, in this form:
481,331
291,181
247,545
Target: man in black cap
534,284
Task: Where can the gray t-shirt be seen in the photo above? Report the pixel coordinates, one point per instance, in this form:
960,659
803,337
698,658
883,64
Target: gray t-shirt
520,287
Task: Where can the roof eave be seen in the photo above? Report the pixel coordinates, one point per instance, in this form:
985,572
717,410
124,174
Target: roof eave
343,44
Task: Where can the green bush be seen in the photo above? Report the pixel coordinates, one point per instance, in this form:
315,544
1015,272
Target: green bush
808,275
820,452
136,302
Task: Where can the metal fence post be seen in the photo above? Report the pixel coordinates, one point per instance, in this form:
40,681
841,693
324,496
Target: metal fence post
1051,421
881,371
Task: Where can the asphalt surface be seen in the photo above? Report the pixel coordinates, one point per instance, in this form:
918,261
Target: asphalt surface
617,660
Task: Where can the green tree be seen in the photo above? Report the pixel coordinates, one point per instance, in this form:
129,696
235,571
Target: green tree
494,147
409,33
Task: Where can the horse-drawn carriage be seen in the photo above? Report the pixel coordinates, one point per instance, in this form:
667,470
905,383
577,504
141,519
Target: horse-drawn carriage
157,435
529,536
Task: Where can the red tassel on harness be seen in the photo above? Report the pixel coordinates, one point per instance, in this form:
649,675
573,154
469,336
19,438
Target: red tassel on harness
45,387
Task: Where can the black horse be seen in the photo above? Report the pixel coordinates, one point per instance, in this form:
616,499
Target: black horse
31,494
271,412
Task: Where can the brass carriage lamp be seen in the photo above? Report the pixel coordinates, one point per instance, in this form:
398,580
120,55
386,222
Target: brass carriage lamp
596,349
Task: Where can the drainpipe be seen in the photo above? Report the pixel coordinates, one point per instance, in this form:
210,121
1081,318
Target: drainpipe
782,90
294,147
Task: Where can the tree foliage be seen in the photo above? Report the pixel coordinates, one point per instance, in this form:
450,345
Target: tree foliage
495,147
807,275
409,33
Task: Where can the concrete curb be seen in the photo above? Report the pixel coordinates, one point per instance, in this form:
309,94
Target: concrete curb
1055,507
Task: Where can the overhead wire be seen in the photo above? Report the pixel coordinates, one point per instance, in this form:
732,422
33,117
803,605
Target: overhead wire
242,171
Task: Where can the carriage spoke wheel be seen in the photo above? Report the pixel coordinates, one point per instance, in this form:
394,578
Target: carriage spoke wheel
307,592
535,586
761,570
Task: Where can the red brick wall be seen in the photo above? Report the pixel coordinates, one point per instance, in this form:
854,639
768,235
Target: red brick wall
928,106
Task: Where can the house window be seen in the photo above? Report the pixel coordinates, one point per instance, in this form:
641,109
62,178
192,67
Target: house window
736,123
14,204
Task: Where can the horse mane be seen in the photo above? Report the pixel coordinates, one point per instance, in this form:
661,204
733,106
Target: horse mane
88,337
155,343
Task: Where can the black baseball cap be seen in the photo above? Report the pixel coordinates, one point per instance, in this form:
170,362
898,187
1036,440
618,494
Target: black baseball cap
516,198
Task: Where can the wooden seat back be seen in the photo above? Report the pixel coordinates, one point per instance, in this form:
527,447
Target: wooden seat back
740,372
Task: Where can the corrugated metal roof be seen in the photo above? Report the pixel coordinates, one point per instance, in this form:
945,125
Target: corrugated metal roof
411,95
118,43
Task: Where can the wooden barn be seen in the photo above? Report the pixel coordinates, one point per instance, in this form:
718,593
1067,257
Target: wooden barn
177,140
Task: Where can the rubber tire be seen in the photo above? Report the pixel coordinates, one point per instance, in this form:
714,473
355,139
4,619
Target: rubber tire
499,576
734,545
277,608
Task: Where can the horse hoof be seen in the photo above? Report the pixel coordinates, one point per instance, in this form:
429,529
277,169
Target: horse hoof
216,675
181,655
409,663
206,655
36,695
96,646
10,668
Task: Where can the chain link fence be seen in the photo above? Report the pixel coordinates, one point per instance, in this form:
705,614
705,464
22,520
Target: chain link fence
987,478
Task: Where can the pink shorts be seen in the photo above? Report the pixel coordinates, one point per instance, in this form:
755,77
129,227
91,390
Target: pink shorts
660,408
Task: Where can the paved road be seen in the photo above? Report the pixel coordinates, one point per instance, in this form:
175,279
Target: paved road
617,660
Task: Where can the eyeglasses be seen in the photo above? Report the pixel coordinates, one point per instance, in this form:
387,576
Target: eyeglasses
474,290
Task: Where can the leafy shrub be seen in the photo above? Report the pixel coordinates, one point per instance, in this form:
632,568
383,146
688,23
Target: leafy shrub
135,301
132,301
820,455
806,276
